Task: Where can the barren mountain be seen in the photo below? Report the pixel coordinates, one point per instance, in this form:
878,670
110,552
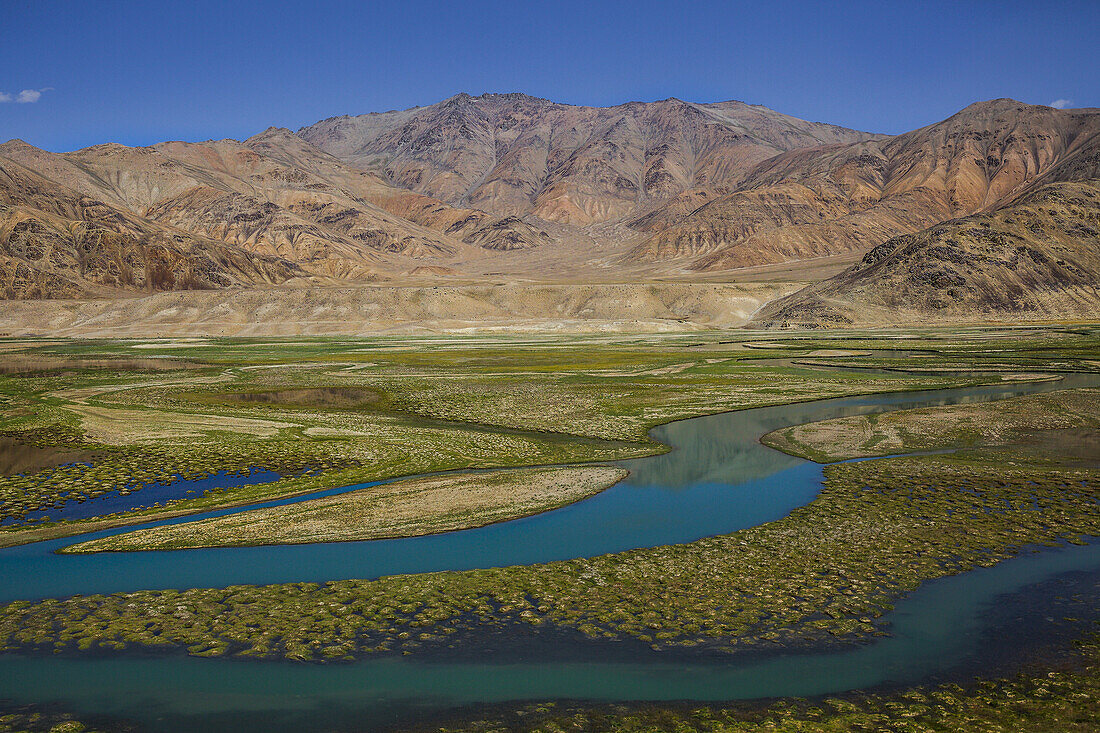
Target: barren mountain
56,242
1038,258
512,154
469,225
510,188
823,201
275,194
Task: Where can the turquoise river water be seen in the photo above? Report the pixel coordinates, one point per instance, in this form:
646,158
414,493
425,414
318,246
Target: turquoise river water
719,478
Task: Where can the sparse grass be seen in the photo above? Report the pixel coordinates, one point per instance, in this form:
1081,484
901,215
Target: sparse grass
1006,422
352,411
404,508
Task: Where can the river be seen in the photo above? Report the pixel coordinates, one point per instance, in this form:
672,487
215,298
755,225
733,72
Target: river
717,479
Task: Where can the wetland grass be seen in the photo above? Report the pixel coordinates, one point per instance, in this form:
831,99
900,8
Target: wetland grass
815,576
404,508
826,573
352,412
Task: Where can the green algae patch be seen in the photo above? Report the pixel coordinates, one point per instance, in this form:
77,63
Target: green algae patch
403,508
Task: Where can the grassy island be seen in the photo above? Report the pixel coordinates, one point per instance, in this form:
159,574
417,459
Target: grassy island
404,508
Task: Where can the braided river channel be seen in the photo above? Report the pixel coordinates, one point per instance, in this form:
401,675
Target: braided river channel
717,479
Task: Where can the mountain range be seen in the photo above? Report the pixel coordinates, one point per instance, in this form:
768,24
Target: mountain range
991,213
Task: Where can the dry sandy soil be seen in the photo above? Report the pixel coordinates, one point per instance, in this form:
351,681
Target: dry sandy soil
376,309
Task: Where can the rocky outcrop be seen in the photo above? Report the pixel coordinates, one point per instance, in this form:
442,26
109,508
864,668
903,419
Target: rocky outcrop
1036,259
835,199
508,233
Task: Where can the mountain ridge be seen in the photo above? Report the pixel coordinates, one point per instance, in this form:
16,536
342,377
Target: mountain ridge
1034,259
573,164
857,196
519,189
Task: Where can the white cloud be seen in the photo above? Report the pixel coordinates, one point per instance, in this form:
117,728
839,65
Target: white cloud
27,96
1061,103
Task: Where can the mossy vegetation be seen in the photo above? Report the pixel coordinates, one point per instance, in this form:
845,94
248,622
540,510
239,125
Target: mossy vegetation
824,575
828,571
324,413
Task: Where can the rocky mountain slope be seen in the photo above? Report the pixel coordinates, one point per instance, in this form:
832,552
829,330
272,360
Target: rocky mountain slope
1037,258
273,195
512,154
57,242
514,189
823,201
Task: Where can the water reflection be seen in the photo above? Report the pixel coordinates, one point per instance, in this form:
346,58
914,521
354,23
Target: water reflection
718,479
17,456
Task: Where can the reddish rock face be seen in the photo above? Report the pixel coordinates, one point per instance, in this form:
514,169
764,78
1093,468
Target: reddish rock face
842,198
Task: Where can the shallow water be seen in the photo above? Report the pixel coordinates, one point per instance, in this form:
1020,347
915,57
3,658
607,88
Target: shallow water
719,479
143,498
935,628
17,457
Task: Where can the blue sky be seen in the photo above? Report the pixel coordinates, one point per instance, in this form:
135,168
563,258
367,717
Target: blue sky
142,72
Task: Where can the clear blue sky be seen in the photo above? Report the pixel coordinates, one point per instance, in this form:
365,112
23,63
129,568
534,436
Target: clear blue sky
141,72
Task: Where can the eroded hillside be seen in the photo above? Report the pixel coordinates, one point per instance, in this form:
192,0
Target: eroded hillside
823,201
60,243
1035,259
510,189
514,154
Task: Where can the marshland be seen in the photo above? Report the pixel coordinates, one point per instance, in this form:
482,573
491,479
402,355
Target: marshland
340,517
